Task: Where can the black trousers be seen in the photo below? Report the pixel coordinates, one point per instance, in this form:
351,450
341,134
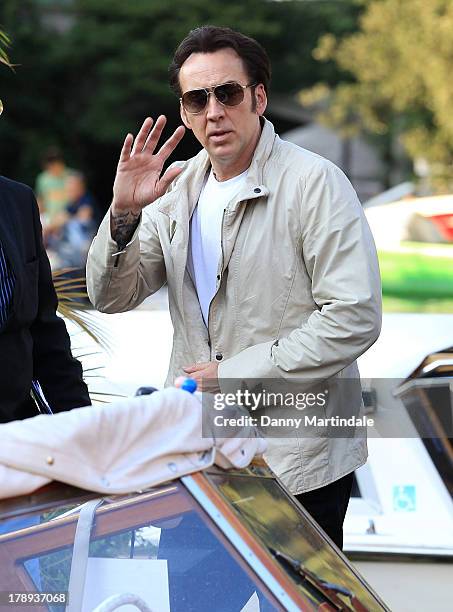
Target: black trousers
328,505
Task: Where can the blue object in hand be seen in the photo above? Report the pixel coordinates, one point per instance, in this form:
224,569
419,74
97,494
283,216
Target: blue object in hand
189,385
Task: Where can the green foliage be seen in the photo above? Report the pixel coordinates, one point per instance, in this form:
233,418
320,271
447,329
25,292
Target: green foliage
401,61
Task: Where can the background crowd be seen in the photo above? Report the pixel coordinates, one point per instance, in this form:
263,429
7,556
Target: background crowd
68,211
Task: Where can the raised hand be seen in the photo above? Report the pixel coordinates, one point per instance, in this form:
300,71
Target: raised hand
138,179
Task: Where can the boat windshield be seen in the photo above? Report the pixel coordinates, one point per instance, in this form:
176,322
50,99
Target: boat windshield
159,545
286,529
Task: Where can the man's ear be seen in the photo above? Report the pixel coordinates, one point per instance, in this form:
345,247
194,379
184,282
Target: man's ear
184,116
260,99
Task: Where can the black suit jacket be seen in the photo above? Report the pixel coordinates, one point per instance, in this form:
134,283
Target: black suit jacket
34,342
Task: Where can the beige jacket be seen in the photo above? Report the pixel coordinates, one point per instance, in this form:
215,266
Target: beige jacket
298,288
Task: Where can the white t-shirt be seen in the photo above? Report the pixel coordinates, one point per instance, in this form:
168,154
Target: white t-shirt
205,235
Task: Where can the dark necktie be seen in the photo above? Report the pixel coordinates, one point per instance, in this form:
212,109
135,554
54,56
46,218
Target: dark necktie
6,287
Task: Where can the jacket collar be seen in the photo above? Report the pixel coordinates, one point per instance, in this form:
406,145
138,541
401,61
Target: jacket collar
261,154
189,183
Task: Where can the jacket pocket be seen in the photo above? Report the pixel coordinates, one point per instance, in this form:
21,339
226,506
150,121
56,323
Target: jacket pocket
32,259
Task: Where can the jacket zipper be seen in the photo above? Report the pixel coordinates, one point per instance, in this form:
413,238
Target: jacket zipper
219,279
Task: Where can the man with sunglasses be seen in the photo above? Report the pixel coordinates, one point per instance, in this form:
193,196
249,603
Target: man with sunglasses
271,268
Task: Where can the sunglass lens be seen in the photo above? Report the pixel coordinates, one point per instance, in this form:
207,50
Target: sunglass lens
230,94
195,101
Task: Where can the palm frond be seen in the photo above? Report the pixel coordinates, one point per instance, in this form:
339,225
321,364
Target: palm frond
70,291
104,398
5,42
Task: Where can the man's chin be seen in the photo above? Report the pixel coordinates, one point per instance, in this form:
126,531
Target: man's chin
223,152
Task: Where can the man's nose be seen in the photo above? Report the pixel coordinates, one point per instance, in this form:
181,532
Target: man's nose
214,108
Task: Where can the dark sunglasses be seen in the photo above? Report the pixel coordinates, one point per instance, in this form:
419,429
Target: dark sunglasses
229,94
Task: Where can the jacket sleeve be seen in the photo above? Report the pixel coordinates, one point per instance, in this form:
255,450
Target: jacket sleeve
117,283
338,251
59,374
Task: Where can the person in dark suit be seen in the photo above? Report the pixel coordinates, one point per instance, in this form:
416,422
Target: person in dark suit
34,343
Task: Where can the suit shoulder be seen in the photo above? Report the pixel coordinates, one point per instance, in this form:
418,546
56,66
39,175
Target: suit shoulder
15,188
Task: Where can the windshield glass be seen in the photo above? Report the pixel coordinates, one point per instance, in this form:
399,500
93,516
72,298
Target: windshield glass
159,545
429,403
279,523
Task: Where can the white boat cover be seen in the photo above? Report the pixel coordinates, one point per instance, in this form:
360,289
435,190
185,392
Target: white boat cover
122,447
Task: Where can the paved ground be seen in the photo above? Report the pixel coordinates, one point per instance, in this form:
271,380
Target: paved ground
410,587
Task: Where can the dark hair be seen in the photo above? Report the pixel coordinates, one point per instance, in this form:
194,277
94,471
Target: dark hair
52,154
208,39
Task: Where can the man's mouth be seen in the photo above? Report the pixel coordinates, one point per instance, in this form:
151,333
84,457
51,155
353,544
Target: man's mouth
218,135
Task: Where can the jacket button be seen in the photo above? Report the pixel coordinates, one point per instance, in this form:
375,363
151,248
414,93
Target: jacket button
218,276
257,190
219,356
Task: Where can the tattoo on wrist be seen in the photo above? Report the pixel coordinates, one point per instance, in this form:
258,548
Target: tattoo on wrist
123,227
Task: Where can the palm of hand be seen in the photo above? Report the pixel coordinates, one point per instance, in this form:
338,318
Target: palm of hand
138,179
